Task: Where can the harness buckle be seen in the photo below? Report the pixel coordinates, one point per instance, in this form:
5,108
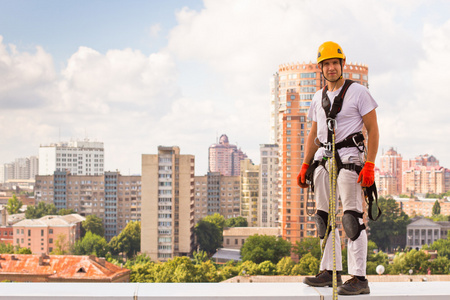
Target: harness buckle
328,147
331,123
360,146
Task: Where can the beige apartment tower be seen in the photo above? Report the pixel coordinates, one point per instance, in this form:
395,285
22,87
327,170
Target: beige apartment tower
167,204
249,192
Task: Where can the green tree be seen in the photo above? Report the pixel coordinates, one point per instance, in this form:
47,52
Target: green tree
200,257
308,245
392,223
259,248
440,265
442,246
14,205
217,219
236,222
248,268
91,244
128,242
40,210
267,268
6,248
436,210
66,211
308,265
285,265
94,224
412,260
209,236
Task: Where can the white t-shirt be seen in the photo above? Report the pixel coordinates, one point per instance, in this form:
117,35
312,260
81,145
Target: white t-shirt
357,103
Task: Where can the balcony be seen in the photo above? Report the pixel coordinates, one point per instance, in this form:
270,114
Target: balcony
436,290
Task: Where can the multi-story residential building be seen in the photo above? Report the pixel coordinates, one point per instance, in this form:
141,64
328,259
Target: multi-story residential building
41,235
24,168
268,186
249,192
423,175
6,222
235,237
225,158
167,204
216,193
292,89
112,197
419,206
390,173
79,158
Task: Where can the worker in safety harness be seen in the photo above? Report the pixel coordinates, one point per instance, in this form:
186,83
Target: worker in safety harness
357,109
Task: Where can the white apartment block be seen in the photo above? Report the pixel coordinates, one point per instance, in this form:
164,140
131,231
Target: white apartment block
79,158
268,186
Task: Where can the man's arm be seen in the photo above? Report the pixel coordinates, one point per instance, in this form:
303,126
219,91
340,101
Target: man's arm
371,124
311,147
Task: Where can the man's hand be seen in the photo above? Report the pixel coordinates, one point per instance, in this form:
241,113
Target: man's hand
301,179
367,175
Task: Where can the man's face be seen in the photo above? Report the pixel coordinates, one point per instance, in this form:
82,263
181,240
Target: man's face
331,68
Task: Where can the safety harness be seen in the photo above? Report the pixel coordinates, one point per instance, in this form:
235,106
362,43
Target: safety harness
353,140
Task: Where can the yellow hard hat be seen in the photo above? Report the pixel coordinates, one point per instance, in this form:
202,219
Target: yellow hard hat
329,50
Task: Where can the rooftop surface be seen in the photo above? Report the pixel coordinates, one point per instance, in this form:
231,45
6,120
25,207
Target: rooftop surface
436,290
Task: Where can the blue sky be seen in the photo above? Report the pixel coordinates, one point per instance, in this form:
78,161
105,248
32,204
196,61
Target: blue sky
138,74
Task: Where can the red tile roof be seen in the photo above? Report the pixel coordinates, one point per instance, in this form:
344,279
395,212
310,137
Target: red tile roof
61,267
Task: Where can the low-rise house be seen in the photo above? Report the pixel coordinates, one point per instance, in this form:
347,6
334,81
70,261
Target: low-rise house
424,231
59,268
42,235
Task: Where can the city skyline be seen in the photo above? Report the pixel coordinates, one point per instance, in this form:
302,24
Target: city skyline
145,73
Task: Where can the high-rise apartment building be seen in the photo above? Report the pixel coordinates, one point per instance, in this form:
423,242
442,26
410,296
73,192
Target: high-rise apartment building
79,158
216,193
249,192
167,204
424,175
114,198
390,167
22,168
292,89
225,158
268,186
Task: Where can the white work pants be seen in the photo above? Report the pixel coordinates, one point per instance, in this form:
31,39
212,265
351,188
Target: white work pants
350,193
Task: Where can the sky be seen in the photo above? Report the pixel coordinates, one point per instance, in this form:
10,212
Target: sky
137,74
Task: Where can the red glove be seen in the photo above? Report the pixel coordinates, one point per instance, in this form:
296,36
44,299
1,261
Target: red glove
301,179
367,175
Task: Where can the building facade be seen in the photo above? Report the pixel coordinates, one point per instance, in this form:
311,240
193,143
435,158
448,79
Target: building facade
114,198
390,173
419,206
167,204
216,193
268,186
292,89
42,235
79,158
24,168
225,158
423,175
423,231
249,192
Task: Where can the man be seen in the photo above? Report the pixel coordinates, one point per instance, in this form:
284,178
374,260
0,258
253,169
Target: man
358,109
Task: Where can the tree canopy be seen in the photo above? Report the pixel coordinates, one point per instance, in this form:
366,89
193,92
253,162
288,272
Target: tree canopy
14,205
128,241
91,244
40,210
308,245
93,224
236,222
259,248
392,223
209,236
436,210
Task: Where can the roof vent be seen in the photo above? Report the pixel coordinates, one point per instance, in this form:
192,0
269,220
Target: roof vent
81,270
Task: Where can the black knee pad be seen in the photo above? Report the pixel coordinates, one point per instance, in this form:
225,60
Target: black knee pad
350,222
321,219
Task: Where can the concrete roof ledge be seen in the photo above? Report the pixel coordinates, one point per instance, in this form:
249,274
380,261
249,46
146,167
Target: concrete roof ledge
437,290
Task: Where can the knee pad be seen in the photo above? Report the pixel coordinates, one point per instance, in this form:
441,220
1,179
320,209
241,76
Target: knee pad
321,219
350,222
